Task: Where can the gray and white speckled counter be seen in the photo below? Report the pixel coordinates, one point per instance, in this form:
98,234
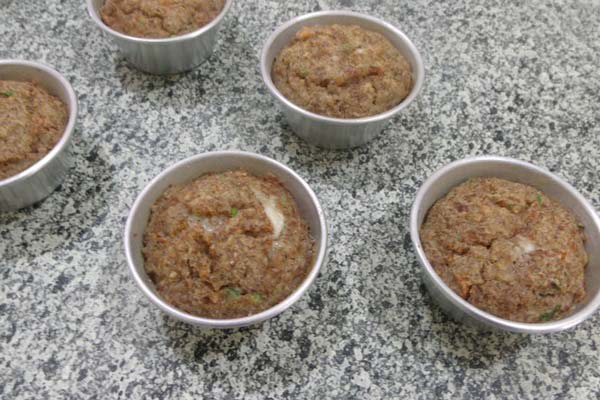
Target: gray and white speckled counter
509,78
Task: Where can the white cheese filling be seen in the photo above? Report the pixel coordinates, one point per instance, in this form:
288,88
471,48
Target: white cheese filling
273,213
524,246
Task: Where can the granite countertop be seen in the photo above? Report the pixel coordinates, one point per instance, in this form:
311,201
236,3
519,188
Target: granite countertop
511,78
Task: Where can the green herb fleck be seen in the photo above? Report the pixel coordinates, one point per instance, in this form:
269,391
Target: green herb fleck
255,297
458,237
233,211
548,315
543,283
233,292
540,199
7,93
302,73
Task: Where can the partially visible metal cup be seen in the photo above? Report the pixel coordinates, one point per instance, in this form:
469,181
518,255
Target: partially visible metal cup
40,179
338,133
168,55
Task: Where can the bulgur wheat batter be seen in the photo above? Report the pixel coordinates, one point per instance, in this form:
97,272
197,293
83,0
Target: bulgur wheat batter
31,123
342,71
507,249
159,18
227,245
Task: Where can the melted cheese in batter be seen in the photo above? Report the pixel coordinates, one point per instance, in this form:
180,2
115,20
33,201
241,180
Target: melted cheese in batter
273,213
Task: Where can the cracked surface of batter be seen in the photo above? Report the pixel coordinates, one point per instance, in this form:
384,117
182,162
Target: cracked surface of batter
342,71
507,249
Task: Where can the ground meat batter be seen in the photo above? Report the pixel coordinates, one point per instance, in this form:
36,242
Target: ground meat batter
159,18
507,249
342,71
31,123
227,245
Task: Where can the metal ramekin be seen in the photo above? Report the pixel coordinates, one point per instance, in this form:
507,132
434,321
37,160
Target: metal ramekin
338,133
164,56
39,180
193,167
519,171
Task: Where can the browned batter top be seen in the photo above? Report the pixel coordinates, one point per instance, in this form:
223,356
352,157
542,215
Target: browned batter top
159,18
507,249
31,123
342,71
227,245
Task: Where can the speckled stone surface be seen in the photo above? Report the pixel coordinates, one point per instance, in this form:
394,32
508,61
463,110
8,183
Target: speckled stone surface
510,78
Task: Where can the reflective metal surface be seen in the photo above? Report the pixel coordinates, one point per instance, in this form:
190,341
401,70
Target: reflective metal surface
164,56
337,133
519,171
193,167
39,180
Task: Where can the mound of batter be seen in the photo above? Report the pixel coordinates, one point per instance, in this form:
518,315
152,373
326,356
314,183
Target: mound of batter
31,123
227,245
342,71
507,249
159,18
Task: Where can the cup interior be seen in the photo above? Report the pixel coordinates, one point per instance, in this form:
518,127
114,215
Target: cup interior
454,174
195,167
